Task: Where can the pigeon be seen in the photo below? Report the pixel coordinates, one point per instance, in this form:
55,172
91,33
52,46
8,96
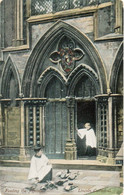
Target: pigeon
52,185
72,176
69,187
68,171
61,182
43,188
32,188
70,183
64,176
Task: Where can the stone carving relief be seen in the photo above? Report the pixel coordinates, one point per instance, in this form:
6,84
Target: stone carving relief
66,54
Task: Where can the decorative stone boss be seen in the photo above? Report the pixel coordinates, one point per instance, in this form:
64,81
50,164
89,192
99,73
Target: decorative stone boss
66,54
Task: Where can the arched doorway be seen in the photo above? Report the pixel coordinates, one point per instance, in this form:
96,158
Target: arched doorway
86,113
57,65
85,91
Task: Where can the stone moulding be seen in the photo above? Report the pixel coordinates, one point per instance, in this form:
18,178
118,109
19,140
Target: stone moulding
55,72
9,68
71,80
39,54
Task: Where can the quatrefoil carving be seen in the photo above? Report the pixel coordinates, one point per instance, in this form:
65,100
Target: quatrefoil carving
66,54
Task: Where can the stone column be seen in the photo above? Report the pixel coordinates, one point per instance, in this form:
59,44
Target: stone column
115,121
1,29
110,159
42,126
27,124
70,149
1,126
22,155
18,23
28,8
118,16
34,123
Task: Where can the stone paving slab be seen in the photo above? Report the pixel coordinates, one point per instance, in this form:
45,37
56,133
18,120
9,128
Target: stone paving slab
87,182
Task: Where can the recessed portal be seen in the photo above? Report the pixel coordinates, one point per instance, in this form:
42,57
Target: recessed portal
85,114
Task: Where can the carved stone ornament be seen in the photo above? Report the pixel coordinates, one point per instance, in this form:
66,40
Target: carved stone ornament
66,54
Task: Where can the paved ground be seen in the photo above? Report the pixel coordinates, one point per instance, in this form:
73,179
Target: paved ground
86,182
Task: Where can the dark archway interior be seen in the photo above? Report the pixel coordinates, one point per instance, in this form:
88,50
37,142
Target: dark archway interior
85,114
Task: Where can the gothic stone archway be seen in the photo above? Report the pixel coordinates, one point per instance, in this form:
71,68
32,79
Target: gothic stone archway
53,74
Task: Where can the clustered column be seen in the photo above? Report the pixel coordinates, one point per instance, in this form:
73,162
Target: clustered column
70,149
18,23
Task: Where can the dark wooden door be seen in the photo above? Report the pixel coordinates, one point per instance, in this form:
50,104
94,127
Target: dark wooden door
55,119
55,129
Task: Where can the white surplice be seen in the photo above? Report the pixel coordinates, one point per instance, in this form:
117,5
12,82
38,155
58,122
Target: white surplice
90,137
81,133
39,167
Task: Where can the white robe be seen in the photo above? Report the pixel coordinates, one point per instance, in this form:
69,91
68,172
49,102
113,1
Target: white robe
39,167
90,137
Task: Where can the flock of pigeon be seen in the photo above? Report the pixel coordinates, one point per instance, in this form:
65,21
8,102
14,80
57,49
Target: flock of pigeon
61,178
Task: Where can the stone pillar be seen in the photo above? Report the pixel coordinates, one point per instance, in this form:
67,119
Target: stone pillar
27,124
70,148
118,16
1,126
115,121
34,123
22,155
1,29
110,159
42,126
18,23
28,8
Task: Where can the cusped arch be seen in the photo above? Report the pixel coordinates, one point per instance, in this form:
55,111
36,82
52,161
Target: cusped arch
38,55
118,62
46,77
9,71
78,73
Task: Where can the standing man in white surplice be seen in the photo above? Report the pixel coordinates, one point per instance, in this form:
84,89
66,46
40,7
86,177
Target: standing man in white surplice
90,139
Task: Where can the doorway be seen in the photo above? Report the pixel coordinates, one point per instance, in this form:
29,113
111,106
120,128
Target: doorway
85,114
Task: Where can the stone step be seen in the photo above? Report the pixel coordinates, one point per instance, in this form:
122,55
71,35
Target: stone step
85,165
18,170
66,164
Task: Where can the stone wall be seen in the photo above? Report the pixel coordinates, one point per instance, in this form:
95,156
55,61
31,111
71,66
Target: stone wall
12,126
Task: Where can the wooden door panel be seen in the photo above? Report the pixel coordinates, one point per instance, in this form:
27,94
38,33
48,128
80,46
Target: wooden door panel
55,129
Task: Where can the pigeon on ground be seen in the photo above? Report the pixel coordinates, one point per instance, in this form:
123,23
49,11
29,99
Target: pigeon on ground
32,188
51,185
61,182
69,187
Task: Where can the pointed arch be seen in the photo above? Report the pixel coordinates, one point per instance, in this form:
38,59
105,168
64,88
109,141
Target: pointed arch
39,54
10,75
46,77
78,73
118,62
